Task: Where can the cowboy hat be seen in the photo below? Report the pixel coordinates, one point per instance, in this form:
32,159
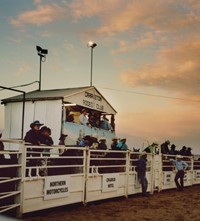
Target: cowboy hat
36,122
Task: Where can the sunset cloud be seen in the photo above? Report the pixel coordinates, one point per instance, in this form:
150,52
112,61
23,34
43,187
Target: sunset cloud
176,69
43,14
119,16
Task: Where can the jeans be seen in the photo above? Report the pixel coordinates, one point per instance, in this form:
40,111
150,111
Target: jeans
143,180
179,175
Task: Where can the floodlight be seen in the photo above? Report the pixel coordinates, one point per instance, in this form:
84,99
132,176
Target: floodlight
91,44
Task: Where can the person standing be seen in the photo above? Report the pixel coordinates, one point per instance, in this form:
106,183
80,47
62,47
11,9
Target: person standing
83,119
141,171
181,166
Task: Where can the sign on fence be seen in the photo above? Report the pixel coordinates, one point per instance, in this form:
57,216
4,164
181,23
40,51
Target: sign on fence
197,175
110,182
167,177
56,187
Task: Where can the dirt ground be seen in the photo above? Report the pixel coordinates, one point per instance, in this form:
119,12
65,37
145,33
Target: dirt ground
168,205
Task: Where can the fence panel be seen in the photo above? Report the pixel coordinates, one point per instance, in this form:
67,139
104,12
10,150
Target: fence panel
53,180
10,177
39,177
106,174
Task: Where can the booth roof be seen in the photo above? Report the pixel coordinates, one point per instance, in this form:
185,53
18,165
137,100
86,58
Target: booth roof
53,94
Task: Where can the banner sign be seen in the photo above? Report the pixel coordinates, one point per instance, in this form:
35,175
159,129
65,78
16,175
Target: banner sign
110,182
197,175
167,177
56,187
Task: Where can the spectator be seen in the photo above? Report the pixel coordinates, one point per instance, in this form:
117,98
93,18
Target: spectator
189,151
114,143
94,119
182,152
62,139
83,119
102,144
151,148
33,135
122,144
45,136
104,124
70,117
94,141
173,150
181,166
141,171
164,147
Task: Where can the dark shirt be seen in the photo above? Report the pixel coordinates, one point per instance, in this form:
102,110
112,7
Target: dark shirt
32,137
142,163
114,146
102,146
47,140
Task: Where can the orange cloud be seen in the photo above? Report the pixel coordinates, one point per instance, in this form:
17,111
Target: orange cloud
126,46
43,14
99,8
119,15
176,69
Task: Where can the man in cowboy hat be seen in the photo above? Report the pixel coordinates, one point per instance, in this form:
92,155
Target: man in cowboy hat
141,172
122,144
181,166
33,135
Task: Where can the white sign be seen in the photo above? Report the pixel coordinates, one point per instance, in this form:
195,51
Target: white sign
56,187
197,175
110,182
167,177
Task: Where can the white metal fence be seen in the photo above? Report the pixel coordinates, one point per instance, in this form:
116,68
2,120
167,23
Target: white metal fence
39,177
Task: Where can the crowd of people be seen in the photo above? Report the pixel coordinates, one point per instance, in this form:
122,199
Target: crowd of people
94,143
166,148
41,135
171,150
92,119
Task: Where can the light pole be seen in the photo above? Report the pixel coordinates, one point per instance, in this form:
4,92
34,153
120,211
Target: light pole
91,45
42,53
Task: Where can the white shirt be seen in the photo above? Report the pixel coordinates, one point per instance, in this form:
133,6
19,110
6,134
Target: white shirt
83,119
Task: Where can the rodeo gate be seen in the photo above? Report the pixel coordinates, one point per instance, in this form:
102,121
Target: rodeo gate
60,175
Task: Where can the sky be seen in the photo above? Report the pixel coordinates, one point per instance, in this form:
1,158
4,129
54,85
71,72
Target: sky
146,62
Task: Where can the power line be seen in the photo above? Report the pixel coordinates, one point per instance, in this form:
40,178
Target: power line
23,85
151,95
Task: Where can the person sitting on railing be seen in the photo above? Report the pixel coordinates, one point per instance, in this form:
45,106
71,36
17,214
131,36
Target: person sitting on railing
189,151
62,139
83,119
122,144
152,148
182,152
114,143
102,144
173,150
94,141
164,147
